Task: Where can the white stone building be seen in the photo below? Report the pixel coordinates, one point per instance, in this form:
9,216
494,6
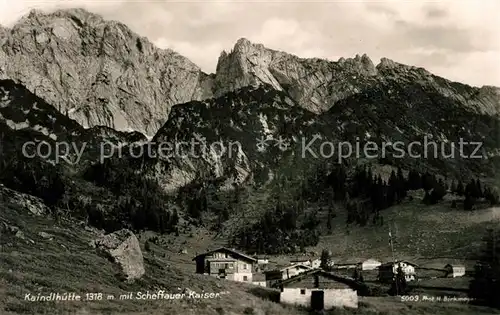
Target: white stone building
319,290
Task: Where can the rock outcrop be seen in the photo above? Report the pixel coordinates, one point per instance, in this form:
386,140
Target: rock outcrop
123,248
98,72
32,204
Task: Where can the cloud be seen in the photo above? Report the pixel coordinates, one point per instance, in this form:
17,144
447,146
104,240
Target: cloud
12,10
457,39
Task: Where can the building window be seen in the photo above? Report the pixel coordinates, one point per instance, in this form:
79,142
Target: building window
302,291
245,278
225,266
244,266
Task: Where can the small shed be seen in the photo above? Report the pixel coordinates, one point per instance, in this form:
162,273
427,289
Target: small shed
454,270
259,279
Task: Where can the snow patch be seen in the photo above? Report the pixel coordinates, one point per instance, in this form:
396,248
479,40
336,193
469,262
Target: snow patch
13,125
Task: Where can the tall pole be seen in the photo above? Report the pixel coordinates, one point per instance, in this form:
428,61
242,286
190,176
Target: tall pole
394,261
392,245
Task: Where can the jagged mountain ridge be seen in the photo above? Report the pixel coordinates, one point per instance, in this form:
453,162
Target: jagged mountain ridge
314,83
317,84
102,73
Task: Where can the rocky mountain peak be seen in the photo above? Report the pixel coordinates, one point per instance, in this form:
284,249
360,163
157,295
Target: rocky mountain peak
307,80
246,65
359,64
387,63
243,45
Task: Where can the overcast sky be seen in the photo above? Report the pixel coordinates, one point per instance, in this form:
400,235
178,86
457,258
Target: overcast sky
457,39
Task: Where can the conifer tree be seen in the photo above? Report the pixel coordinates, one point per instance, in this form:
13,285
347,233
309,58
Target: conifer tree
479,189
414,180
460,189
403,185
392,189
453,187
329,221
325,260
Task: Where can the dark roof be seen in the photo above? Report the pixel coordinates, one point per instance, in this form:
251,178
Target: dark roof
258,277
294,266
348,281
227,250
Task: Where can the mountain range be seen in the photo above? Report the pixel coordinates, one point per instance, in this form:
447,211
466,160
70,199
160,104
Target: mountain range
73,76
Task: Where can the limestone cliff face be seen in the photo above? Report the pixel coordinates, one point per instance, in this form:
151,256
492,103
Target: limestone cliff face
316,84
98,71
